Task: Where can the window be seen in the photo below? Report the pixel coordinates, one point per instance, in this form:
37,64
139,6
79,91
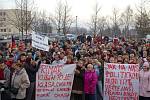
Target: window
9,30
4,13
4,30
1,24
1,30
0,13
4,19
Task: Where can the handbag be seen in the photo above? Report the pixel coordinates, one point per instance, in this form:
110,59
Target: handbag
14,90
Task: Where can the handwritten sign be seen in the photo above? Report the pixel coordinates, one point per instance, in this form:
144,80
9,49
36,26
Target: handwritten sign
121,81
40,42
54,82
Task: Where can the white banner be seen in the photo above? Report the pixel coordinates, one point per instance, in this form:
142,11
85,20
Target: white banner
54,82
121,81
40,42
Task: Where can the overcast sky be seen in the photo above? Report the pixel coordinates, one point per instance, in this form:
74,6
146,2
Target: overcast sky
81,8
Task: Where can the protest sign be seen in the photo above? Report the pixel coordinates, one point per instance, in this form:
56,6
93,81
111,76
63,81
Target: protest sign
121,81
40,42
54,82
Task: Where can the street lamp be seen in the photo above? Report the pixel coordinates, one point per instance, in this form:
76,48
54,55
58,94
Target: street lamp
76,24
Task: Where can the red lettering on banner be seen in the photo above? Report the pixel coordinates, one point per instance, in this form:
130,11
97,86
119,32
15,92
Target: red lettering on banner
51,69
133,68
126,88
119,82
54,84
121,98
111,81
131,94
122,67
125,81
61,95
112,87
111,66
64,89
111,74
42,95
130,75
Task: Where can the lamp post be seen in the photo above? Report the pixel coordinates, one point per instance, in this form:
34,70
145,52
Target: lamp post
76,24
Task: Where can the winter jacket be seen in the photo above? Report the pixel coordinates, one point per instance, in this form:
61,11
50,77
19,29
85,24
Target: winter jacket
90,81
31,70
7,76
1,74
20,80
78,83
144,83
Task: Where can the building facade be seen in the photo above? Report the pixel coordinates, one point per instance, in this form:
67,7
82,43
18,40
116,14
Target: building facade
12,21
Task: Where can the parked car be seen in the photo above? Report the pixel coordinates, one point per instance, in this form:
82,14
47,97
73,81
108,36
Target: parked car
71,36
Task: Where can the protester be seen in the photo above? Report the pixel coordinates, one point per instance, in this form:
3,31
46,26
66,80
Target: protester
77,88
19,82
6,73
70,59
57,60
89,50
99,89
145,82
90,81
31,69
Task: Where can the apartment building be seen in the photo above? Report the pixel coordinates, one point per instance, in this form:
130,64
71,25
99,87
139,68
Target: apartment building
11,22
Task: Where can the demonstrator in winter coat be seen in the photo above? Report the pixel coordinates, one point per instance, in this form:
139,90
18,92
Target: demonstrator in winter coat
90,81
19,81
145,82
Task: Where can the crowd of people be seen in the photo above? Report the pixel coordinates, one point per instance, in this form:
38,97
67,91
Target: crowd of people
19,66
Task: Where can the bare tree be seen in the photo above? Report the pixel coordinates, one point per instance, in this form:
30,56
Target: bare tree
67,19
142,19
127,20
94,19
116,22
62,19
101,25
42,23
22,16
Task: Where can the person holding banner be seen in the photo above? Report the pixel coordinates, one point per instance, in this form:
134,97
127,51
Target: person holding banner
77,89
57,60
90,81
31,69
145,82
98,68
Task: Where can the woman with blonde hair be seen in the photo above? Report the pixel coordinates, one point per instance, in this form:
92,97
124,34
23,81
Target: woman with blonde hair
145,82
19,82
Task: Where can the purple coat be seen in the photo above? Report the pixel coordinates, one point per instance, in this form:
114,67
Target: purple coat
90,81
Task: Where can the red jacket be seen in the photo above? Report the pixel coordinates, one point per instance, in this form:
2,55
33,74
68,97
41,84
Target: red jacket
9,63
1,74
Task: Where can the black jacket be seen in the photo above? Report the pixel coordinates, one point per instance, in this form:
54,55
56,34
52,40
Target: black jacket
31,70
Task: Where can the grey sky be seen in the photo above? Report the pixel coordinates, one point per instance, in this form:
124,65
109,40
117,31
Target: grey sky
81,8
